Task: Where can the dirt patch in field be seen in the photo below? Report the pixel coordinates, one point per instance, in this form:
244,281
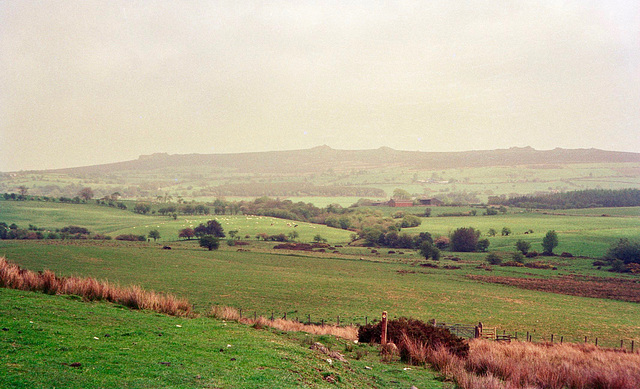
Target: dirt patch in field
606,288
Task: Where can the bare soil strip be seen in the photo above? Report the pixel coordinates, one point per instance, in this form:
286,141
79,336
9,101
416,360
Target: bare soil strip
606,288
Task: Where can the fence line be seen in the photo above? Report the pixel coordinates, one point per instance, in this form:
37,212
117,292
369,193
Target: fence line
467,331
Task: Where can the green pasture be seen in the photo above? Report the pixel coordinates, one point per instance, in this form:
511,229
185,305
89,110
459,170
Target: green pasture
581,232
580,235
50,215
113,221
327,285
60,341
244,224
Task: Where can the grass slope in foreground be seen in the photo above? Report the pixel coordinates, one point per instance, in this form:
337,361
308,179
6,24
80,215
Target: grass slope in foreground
56,341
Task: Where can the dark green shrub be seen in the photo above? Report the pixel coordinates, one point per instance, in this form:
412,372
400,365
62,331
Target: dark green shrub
131,237
464,239
432,337
625,250
494,259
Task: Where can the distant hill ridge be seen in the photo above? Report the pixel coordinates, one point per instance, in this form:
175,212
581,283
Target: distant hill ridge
324,157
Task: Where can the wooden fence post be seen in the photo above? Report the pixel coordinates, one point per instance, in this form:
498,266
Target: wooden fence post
338,322
308,319
323,322
366,320
632,342
622,340
478,330
285,316
596,341
551,338
383,339
561,339
240,313
271,315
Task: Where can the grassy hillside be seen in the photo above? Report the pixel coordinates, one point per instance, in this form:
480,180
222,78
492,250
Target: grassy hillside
354,282
327,285
55,341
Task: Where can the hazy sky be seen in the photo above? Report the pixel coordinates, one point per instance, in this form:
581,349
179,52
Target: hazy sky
88,82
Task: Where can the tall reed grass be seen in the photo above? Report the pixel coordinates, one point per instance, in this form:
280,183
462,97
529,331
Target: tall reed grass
228,313
523,365
12,276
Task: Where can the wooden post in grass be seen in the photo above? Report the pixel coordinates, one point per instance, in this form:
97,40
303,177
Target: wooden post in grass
338,322
621,340
308,319
322,322
561,339
383,339
551,338
285,316
596,341
271,315
240,313
585,339
478,330
632,344
366,320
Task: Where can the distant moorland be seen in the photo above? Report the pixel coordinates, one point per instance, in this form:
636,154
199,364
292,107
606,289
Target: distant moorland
341,176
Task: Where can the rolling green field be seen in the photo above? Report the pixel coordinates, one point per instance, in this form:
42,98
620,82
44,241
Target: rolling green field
327,285
55,341
353,283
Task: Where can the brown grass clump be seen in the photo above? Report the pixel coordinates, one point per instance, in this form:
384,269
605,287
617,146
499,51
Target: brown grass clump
555,366
228,313
522,365
12,276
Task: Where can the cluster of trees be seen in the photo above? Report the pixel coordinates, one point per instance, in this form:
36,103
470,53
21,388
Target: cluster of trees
467,239
549,243
12,231
590,198
62,199
624,256
212,227
375,236
208,234
188,209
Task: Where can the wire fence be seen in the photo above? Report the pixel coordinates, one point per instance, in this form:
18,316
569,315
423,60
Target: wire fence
463,330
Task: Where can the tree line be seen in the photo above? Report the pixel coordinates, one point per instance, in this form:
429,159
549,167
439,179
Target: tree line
588,198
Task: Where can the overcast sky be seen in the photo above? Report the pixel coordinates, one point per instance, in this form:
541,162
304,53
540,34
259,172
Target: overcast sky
89,82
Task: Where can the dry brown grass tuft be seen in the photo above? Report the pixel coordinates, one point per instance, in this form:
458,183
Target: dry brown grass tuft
522,365
555,366
228,313
12,276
